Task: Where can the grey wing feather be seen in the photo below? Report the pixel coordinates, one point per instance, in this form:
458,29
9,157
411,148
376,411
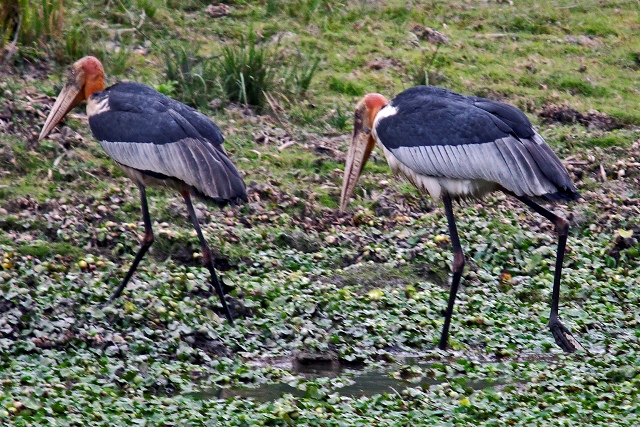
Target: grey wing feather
195,162
506,161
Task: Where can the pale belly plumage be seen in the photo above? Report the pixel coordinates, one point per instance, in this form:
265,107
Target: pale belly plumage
147,180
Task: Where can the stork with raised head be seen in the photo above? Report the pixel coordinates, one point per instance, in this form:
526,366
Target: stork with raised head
453,146
158,142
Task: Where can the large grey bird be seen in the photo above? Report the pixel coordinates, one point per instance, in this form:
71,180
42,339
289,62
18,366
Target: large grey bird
453,146
157,141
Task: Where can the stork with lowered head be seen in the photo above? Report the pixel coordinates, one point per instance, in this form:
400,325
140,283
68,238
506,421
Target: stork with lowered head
453,146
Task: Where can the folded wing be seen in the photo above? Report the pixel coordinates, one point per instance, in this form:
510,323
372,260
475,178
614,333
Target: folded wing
144,130
438,133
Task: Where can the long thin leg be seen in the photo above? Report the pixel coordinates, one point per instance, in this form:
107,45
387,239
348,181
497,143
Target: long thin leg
207,259
457,267
147,240
561,334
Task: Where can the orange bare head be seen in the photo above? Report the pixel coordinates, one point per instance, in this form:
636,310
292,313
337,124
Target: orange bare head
373,103
85,77
362,143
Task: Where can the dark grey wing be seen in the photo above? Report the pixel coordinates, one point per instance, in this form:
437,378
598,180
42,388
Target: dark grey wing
138,113
147,131
442,134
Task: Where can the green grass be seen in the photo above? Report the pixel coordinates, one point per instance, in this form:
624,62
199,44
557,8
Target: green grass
343,86
369,284
42,250
248,72
39,22
190,77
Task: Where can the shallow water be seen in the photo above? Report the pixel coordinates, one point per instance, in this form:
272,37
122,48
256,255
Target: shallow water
366,382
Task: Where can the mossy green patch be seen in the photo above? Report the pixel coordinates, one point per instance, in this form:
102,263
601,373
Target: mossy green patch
345,86
608,140
43,249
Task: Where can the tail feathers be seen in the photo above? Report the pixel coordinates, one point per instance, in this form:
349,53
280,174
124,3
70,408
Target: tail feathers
221,180
552,168
563,195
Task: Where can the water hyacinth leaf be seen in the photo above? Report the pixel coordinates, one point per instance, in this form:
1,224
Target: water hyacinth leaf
625,234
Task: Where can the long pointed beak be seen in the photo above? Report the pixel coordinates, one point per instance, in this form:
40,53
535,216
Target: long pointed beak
361,146
69,97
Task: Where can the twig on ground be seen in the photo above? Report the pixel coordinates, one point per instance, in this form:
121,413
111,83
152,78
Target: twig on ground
286,145
603,174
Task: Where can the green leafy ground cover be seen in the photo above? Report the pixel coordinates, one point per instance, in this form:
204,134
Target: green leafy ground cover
368,286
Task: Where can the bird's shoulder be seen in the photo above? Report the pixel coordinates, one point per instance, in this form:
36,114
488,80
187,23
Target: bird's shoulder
139,113
131,96
428,115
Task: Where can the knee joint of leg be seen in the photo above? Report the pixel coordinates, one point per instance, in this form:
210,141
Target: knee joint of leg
148,239
206,255
458,262
562,226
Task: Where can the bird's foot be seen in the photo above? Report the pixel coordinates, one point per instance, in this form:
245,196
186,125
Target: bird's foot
563,337
226,289
107,303
236,307
111,301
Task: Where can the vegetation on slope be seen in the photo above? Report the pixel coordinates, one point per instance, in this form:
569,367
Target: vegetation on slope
364,287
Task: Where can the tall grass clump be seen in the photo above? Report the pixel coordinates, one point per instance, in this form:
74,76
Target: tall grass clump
31,23
250,72
247,72
425,70
77,41
119,58
304,9
192,76
8,22
187,5
299,76
340,118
